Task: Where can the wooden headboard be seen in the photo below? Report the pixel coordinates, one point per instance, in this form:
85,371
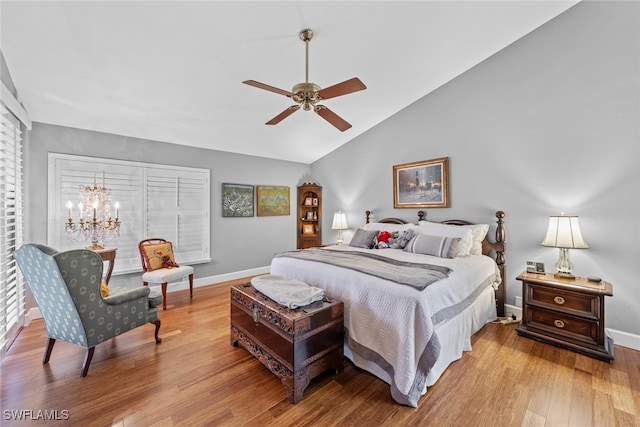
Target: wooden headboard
498,246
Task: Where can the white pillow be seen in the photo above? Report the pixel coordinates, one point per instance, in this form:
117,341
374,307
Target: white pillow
460,248
381,226
478,232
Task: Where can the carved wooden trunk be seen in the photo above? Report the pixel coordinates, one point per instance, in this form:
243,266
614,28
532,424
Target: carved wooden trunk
296,345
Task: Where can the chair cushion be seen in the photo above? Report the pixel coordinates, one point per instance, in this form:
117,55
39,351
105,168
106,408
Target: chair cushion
165,275
156,255
155,299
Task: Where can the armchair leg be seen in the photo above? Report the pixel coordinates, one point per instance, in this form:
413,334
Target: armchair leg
164,296
47,351
191,285
87,361
158,339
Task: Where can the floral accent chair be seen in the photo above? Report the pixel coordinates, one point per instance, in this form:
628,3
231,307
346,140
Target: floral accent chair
159,266
66,287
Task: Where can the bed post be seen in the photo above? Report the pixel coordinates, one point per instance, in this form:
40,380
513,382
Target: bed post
499,246
367,214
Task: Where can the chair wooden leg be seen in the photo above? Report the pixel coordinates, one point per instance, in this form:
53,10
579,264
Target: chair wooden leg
158,339
87,361
47,351
164,296
191,285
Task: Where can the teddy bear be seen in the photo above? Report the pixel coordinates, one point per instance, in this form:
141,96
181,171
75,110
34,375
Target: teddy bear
400,239
382,241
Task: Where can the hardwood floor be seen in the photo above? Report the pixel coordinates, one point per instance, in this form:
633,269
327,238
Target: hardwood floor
195,377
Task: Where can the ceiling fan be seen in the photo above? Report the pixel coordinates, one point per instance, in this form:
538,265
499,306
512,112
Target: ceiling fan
307,94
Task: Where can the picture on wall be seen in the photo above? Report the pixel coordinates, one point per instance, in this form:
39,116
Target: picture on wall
422,184
237,200
272,200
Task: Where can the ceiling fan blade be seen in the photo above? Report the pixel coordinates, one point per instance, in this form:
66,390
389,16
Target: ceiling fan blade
267,87
286,113
332,117
347,86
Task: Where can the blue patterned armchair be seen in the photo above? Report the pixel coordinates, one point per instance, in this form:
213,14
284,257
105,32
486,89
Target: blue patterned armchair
66,287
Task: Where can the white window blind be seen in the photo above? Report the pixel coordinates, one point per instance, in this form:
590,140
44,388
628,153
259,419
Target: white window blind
155,200
12,287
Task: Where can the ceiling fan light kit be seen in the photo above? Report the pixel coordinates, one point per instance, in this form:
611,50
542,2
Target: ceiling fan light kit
308,94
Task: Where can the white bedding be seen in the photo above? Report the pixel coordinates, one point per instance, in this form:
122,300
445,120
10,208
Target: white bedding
393,330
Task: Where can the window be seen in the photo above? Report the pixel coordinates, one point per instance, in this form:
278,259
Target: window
12,287
155,201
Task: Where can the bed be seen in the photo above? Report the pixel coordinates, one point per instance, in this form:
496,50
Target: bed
410,310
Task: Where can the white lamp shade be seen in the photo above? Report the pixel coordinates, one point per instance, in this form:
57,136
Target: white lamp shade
339,221
564,232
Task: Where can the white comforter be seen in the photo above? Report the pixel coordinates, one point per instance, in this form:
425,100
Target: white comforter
393,325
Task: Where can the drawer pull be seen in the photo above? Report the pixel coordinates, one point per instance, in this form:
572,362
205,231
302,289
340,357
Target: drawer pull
256,315
559,323
558,300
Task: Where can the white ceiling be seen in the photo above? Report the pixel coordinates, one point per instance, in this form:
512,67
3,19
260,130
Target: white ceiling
172,71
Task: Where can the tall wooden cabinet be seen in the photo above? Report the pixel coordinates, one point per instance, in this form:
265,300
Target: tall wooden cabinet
309,215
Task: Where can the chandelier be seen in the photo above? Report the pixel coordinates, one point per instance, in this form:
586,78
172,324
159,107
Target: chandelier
95,223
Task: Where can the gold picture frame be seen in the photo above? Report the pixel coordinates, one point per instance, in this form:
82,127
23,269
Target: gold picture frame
308,229
422,184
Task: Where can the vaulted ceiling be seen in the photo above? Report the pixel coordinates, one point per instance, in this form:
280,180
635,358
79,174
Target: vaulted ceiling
172,71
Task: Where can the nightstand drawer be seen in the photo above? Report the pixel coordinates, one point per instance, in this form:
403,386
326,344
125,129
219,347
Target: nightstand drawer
569,302
554,322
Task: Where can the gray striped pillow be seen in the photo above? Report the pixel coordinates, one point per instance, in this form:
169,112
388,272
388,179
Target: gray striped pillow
431,245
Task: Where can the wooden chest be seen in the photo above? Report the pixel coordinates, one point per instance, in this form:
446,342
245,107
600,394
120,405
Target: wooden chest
295,344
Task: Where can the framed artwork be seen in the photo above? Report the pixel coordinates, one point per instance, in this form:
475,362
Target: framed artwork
308,201
308,229
421,184
310,215
237,200
315,201
272,200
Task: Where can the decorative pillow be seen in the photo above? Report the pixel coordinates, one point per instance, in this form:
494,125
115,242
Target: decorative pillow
478,233
104,289
430,245
462,248
158,256
363,238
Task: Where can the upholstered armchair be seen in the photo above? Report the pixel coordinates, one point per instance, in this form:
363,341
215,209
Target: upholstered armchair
66,287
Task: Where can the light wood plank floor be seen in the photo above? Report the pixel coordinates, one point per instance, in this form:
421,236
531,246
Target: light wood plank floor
195,377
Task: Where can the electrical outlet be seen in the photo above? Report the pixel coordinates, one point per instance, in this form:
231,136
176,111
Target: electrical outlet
519,302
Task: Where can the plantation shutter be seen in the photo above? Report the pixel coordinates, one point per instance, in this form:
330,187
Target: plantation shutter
155,201
12,287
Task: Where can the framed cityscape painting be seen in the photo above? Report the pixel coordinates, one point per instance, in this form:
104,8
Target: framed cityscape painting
237,200
422,184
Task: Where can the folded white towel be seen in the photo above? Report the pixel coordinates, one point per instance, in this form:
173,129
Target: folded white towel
288,292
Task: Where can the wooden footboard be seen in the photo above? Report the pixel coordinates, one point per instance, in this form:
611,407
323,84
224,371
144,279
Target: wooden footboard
498,247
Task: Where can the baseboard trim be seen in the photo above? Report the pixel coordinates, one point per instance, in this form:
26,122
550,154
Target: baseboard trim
621,338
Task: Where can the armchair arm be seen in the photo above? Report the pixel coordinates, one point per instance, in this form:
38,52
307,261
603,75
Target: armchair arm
119,297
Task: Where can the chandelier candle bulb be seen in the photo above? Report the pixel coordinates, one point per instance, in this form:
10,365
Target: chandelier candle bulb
70,206
117,206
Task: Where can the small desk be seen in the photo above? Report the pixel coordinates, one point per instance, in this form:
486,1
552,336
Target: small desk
108,255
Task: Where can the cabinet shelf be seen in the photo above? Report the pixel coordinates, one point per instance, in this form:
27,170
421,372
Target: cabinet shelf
309,204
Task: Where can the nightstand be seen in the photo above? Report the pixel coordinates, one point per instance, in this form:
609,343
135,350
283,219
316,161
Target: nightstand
568,313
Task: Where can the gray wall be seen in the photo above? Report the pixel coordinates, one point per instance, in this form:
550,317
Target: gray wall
548,125
237,244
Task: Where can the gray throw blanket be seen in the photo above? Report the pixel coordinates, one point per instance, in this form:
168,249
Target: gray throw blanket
418,276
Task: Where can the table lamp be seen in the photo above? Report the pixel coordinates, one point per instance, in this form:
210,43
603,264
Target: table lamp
564,233
339,223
